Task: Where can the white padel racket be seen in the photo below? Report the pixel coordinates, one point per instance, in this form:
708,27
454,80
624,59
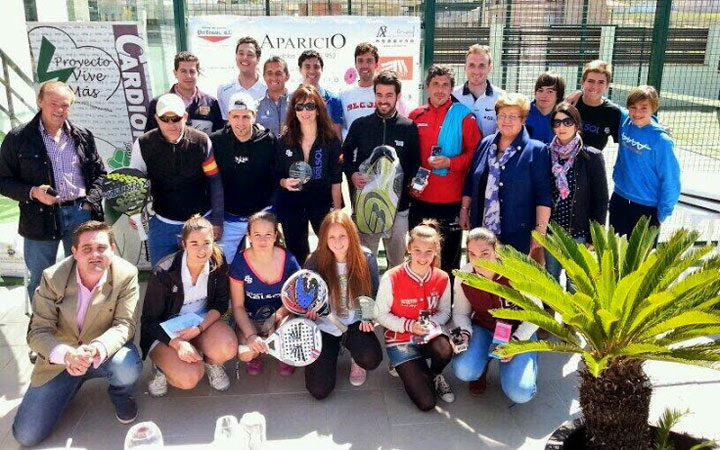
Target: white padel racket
297,342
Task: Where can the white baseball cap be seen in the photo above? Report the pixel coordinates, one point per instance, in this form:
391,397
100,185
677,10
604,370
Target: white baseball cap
170,103
242,101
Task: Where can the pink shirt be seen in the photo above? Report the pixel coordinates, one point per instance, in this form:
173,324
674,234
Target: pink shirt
57,355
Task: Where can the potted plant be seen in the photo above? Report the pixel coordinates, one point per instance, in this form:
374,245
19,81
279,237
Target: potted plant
632,303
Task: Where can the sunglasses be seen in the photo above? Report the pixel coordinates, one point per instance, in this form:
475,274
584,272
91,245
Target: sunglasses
309,106
567,122
173,119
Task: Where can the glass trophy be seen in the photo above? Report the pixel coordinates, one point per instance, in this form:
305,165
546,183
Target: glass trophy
301,171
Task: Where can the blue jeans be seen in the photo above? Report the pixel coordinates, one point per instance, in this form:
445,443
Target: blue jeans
553,266
163,239
233,234
39,255
43,405
517,377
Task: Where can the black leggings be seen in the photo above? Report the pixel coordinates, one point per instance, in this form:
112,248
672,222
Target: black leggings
295,229
417,377
364,348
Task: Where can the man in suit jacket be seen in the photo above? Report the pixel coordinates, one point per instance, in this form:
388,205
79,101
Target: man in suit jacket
84,318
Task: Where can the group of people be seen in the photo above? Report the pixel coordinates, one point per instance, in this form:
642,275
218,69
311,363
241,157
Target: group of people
231,219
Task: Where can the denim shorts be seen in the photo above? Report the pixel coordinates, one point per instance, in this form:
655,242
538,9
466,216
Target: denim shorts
400,353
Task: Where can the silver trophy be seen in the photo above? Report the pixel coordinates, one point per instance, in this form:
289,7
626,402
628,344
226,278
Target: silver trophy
366,309
302,171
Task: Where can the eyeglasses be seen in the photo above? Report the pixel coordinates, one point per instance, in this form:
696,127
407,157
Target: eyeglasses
173,119
511,118
567,122
309,106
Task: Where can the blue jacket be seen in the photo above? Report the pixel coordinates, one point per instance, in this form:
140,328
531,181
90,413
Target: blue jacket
525,182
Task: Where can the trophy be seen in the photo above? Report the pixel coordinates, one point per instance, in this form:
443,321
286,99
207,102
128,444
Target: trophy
457,341
302,171
366,309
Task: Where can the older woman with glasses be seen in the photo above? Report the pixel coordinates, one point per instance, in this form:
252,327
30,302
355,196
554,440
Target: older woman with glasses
508,189
309,139
580,191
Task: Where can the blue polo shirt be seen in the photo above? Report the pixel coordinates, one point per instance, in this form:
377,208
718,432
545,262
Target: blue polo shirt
539,126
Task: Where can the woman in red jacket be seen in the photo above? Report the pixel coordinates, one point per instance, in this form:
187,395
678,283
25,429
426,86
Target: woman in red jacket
413,300
471,312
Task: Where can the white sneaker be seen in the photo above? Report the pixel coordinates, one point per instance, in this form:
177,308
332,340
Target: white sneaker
358,375
443,389
158,385
393,372
217,377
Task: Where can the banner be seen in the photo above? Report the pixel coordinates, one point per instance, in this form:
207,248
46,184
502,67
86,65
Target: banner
105,65
213,39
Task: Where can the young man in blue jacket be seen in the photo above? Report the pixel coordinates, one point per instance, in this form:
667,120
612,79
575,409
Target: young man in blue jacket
647,173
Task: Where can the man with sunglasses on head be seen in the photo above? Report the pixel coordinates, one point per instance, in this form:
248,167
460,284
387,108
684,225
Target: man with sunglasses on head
244,151
184,177
311,66
202,109
247,56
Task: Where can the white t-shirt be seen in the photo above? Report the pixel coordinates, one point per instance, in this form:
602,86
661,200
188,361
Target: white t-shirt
195,295
360,102
347,317
483,107
225,91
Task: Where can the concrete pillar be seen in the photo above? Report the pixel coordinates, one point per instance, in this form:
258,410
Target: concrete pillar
712,51
607,43
52,11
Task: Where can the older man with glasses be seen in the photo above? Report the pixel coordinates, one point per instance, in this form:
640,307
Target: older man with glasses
184,178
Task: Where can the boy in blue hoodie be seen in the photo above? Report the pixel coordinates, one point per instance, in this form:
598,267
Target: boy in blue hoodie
647,173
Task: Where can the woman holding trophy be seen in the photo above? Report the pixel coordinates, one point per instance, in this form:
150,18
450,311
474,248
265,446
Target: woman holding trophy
309,169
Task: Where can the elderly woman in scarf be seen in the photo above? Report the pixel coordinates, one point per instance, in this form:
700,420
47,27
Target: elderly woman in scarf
508,189
580,192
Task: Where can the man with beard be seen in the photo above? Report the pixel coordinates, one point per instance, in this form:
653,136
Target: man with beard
384,127
244,152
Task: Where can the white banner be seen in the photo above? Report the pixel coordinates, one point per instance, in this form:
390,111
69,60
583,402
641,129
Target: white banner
105,64
213,40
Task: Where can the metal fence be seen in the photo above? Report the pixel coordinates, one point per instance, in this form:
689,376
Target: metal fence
671,44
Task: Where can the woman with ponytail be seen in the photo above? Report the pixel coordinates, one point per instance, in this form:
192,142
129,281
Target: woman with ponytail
413,301
192,280
256,278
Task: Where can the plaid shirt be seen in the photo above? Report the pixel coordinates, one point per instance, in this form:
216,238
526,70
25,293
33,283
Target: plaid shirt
65,164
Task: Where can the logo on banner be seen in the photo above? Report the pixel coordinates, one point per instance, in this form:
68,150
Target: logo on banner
395,35
382,31
213,34
402,65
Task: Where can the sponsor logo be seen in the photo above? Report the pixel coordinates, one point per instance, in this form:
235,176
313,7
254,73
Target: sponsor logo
204,110
382,31
336,41
241,159
402,65
213,34
360,105
248,279
408,301
399,143
421,124
590,128
288,153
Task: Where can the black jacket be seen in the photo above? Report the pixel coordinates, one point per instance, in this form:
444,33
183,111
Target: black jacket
246,169
203,113
370,131
24,163
164,297
590,193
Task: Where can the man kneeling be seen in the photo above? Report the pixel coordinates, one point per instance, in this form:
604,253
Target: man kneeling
84,316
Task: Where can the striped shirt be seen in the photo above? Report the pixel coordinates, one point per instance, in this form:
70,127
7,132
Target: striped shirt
65,162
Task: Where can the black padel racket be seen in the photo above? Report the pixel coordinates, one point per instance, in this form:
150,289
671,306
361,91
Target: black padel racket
126,191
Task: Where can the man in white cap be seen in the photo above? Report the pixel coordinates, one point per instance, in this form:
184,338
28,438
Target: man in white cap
244,151
184,178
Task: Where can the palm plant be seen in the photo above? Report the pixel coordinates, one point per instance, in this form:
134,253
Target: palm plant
631,303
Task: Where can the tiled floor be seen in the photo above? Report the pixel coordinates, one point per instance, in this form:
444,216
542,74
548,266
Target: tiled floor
376,415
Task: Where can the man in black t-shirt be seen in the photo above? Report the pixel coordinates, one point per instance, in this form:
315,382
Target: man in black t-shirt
244,152
600,116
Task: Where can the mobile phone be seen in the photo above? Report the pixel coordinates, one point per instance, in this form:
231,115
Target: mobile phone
435,150
51,191
456,339
420,181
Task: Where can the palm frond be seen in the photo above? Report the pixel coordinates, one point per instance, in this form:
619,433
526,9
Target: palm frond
484,284
667,421
639,245
515,348
682,334
686,319
543,320
683,264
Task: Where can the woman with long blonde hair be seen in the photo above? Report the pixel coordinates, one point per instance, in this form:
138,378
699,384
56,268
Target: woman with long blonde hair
350,271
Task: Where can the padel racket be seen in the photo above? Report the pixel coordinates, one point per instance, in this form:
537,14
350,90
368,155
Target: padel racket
306,291
367,308
126,191
297,342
